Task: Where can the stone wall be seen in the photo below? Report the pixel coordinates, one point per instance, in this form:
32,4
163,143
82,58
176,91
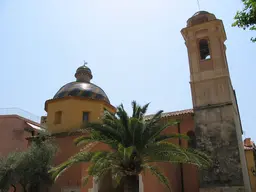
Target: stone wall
217,135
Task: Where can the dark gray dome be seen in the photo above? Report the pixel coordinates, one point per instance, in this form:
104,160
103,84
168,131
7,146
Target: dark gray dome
82,89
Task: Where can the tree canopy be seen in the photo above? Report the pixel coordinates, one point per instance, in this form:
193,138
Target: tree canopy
29,168
246,18
135,144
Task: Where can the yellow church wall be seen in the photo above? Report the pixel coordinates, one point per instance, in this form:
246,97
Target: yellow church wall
251,165
72,109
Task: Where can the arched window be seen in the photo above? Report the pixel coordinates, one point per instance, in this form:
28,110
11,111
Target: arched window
204,49
192,139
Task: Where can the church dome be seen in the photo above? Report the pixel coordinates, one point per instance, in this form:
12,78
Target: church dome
82,87
199,18
201,13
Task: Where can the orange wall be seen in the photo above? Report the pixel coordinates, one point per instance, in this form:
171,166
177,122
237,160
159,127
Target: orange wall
73,176
173,172
12,137
72,109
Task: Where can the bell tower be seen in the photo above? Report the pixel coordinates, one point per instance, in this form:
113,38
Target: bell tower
217,121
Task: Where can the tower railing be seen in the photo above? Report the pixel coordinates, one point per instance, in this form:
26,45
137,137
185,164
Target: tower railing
20,112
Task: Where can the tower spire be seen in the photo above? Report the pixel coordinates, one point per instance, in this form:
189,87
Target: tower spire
198,4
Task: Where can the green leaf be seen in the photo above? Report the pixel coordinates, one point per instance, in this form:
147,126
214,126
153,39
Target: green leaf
78,158
85,180
246,19
128,153
171,136
82,140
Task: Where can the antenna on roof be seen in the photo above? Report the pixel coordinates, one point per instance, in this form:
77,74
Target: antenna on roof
198,4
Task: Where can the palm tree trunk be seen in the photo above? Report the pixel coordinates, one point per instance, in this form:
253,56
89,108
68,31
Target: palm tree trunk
131,183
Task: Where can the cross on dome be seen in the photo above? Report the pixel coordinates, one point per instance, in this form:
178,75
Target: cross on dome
85,63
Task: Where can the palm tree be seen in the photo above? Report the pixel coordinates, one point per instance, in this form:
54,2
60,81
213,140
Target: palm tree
135,145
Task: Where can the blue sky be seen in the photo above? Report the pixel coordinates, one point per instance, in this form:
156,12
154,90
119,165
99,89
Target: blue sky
134,48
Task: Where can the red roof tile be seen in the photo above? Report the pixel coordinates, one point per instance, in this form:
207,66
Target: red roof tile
248,148
249,144
174,113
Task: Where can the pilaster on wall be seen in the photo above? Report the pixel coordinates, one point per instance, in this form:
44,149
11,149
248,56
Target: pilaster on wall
141,185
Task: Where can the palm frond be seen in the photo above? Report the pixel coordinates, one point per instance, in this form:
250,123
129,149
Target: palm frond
117,175
138,111
155,119
85,180
168,152
99,161
154,131
82,140
124,119
136,128
96,137
160,176
144,109
134,109
80,157
203,160
103,164
105,130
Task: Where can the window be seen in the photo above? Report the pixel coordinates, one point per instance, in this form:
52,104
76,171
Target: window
192,139
204,49
58,116
85,116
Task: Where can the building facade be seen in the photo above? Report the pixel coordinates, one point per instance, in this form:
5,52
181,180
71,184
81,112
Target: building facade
15,130
217,121
213,124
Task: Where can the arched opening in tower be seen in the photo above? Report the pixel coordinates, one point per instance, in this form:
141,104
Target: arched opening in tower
204,49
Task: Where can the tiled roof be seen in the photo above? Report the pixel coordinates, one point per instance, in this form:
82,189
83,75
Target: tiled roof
174,113
249,144
248,148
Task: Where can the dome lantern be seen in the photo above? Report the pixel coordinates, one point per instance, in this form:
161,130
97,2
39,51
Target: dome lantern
82,87
83,74
200,17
